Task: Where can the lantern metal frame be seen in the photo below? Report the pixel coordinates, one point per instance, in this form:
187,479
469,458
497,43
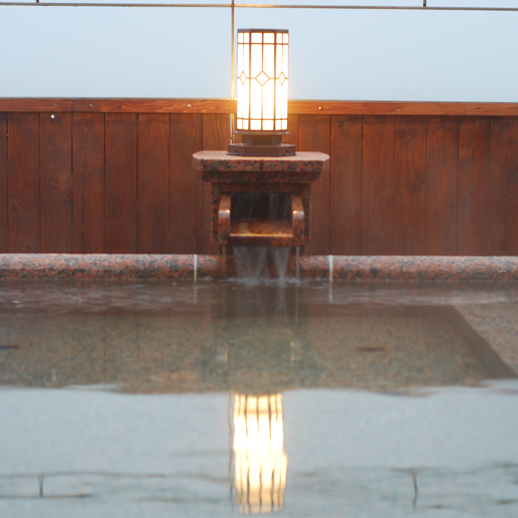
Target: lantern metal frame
260,141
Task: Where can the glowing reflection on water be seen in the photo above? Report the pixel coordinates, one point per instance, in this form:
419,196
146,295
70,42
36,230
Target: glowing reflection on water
260,462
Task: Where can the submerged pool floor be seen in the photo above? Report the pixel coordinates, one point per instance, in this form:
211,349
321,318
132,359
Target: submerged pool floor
160,399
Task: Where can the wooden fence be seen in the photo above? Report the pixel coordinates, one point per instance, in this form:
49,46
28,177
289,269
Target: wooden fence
115,176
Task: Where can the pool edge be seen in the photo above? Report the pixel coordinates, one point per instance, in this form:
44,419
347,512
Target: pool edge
316,267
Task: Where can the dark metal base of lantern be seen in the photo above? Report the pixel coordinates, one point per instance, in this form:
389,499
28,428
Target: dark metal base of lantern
251,150
262,145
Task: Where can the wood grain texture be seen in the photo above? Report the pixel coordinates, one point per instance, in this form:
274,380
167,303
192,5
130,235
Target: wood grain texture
215,136
88,182
4,220
441,185
153,183
216,131
155,105
35,105
293,127
56,182
378,185
295,107
24,182
185,185
345,223
409,186
473,186
469,190
401,108
121,183
315,135
503,223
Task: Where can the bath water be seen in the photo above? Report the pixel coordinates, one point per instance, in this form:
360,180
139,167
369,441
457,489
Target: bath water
212,399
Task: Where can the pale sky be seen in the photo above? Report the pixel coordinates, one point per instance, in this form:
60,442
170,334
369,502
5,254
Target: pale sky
334,54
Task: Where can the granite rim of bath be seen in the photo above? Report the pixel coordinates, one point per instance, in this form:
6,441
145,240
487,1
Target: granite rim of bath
312,267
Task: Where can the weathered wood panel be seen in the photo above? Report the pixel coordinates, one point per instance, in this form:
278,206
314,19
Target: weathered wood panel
121,183
315,135
473,186
192,106
56,182
4,226
409,186
24,182
153,184
293,136
35,105
422,109
504,187
216,135
295,107
398,185
345,219
88,173
441,186
185,185
378,185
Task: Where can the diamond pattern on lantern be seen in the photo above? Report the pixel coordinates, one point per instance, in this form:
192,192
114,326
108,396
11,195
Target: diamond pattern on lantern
282,78
242,78
262,78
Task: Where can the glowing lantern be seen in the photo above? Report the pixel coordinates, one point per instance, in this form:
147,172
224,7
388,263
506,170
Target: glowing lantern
262,93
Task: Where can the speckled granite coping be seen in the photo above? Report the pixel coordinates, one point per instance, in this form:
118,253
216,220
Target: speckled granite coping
108,266
348,268
412,268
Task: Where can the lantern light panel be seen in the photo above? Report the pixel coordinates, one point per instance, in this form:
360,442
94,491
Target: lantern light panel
262,80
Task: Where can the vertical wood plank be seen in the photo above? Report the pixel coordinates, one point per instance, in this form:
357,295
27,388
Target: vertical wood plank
441,185
88,183
293,127
315,135
409,186
4,228
216,136
153,183
378,185
185,184
345,225
473,186
216,131
56,182
121,183
503,230
24,182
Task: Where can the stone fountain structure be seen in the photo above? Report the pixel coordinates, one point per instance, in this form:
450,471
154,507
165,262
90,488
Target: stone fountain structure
260,201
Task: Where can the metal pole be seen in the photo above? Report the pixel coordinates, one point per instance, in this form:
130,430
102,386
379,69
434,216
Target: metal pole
264,6
232,85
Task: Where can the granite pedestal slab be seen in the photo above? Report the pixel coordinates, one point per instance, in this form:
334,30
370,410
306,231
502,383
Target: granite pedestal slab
237,176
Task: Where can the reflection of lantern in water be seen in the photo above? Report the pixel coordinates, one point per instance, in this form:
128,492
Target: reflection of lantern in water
260,463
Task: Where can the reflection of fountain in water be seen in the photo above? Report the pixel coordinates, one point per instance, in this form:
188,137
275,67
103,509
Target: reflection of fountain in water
260,462
253,262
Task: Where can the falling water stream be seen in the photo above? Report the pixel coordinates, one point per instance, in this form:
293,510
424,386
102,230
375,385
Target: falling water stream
254,263
259,262
280,257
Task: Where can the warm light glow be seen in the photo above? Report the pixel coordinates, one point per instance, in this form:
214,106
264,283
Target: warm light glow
260,463
262,80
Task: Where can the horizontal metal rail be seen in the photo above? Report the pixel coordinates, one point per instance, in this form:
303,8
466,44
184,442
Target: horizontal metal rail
261,6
